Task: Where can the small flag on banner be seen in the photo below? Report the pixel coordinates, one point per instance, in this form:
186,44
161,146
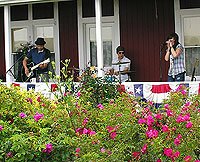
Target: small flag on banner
16,84
138,90
54,87
159,93
30,87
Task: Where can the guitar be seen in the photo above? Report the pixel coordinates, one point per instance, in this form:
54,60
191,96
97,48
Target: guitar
32,68
194,69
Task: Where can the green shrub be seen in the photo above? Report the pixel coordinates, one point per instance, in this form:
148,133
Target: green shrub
118,128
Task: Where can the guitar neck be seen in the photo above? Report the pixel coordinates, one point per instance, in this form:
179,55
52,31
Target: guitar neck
43,62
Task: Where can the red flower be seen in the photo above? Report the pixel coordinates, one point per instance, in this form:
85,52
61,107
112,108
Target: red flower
188,158
48,149
121,88
169,113
78,150
136,155
110,129
150,120
153,133
165,128
189,125
158,116
144,149
168,152
141,121
39,99
54,87
177,141
113,135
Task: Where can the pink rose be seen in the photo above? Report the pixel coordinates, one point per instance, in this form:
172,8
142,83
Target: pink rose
38,116
189,125
165,128
22,115
48,148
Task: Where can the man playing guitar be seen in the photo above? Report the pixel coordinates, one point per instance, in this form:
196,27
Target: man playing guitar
40,57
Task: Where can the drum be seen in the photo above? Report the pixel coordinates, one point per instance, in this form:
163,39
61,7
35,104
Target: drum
110,78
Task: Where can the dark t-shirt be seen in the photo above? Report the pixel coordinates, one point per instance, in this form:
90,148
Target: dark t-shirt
36,57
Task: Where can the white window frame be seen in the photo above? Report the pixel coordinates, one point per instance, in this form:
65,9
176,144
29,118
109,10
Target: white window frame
87,28
32,24
180,14
83,53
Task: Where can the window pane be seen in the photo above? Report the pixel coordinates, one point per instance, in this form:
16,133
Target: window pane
107,8
47,33
191,31
185,4
191,54
43,11
19,12
19,35
88,8
107,46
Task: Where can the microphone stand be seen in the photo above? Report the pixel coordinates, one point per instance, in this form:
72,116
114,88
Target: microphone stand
10,69
120,79
161,47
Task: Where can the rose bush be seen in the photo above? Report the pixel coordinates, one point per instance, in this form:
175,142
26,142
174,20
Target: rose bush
118,128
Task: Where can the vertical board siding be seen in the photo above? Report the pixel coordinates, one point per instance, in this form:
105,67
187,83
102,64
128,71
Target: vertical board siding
68,32
2,46
144,24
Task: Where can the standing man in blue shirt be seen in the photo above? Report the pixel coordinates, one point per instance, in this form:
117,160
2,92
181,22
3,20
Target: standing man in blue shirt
40,57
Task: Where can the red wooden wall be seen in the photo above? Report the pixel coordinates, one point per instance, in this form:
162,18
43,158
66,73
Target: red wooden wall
2,45
144,24
68,32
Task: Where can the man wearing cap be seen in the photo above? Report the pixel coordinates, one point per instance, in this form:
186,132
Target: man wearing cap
122,64
38,55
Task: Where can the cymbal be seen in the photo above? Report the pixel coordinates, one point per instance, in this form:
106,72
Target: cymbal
118,63
127,72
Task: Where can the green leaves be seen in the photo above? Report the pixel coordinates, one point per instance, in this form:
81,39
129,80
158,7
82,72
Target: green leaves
124,128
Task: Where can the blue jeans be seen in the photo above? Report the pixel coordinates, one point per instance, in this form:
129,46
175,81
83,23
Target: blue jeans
178,78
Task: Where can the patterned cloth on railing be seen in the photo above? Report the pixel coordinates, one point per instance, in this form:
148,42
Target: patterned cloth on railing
150,91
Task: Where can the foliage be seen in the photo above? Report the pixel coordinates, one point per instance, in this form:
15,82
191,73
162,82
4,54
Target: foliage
75,128
97,89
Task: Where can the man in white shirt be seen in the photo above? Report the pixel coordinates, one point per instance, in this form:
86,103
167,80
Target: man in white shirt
120,65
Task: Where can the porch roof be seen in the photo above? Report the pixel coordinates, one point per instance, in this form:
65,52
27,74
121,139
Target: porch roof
9,2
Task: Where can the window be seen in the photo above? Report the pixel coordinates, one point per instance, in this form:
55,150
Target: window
185,4
47,33
87,33
43,11
26,30
107,37
89,8
19,12
191,34
19,36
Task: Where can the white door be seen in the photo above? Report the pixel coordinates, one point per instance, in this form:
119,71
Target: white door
191,33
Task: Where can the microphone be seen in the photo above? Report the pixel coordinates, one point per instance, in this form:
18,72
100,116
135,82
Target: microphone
163,44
